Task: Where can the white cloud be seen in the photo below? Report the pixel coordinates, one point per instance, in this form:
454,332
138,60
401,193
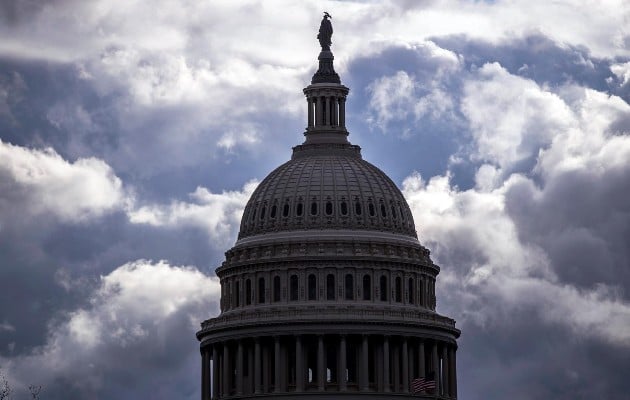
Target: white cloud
218,215
621,71
141,310
247,135
392,98
510,117
495,241
7,327
72,191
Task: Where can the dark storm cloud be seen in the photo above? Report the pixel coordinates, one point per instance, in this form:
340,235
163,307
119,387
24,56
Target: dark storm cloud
536,57
582,220
519,358
18,11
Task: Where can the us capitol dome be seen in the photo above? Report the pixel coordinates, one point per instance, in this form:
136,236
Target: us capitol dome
327,293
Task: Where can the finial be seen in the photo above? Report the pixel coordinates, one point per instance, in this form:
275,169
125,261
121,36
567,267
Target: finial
325,32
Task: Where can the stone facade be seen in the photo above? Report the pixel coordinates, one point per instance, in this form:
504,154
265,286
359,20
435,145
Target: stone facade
327,292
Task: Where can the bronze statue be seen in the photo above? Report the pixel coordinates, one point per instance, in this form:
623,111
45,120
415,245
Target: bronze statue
325,33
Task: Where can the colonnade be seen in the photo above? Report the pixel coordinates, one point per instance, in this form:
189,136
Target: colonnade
327,111
336,362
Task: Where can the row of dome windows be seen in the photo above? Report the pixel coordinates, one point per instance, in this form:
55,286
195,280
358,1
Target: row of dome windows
239,296
260,211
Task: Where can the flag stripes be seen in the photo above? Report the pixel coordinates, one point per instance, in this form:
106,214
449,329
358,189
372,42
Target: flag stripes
423,383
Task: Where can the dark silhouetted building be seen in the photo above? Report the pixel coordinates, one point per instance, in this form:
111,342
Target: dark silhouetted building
327,293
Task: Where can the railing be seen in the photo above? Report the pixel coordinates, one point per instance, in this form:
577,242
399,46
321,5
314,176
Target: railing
329,313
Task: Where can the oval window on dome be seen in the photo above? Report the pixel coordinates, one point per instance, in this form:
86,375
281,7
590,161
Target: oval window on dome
329,208
357,208
285,210
299,210
253,215
274,210
371,210
344,208
394,212
262,213
314,208
383,210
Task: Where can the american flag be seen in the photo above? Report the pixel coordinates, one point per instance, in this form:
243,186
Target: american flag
423,384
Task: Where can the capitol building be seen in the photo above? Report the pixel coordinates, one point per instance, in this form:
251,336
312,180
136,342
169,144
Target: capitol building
327,292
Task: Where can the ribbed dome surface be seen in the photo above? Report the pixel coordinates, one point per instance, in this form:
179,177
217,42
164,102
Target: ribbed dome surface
327,190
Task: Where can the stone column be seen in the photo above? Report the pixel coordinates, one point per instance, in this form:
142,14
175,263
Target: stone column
239,368
250,369
226,370
310,111
342,364
395,353
321,367
386,387
405,366
319,120
342,112
421,360
436,367
299,365
445,371
328,116
257,367
277,364
215,373
205,374
365,373
266,368
453,370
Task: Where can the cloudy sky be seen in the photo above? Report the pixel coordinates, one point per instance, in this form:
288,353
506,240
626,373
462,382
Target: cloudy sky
133,132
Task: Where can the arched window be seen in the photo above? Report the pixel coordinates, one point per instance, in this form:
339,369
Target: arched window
383,287
349,287
371,209
299,209
398,290
285,210
344,208
312,287
274,210
330,287
367,287
261,290
248,292
412,292
357,208
262,213
276,288
394,212
293,288
314,208
237,293
383,210
329,208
